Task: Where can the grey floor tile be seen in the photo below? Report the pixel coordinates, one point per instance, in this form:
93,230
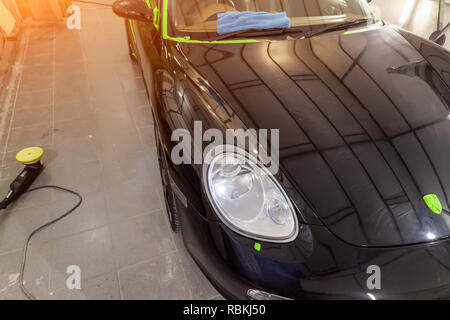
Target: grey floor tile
129,167
137,99
69,70
24,137
142,116
74,130
117,133
160,278
71,111
113,102
37,71
115,125
79,93
42,33
10,161
83,177
73,148
41,115
90,250
147,135
199,285
68,50
40,48
117,145
90,215
177,237
102,287
4,186
133,84
37,269
10,168
36,83
131,198
31,100
17,224
9,276
6,175
94,53
71,81
101,74
127,70
104,88
140,238
38,60
151,156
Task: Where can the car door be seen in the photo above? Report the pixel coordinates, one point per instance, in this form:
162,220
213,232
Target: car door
147,42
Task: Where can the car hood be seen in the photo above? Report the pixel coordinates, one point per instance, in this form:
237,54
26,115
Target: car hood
364,125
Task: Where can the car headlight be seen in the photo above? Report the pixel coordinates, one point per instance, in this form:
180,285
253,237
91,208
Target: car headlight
248,199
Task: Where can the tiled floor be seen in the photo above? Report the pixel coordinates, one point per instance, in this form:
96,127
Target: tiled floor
80,97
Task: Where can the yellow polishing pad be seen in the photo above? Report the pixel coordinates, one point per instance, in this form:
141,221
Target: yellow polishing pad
30,155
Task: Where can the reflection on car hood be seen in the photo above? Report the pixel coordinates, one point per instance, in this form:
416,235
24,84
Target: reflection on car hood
364,125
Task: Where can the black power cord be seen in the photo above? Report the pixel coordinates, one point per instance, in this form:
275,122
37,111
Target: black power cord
25,291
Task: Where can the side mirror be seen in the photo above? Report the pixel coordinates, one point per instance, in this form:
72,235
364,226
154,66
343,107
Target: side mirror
133,10
439,35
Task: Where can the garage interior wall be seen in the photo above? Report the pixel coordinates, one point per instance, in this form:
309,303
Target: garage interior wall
418,16
7,20
48,10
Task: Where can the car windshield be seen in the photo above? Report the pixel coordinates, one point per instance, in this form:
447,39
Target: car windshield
190,17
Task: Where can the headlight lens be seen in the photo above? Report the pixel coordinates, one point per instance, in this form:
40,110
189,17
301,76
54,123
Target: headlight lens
248,199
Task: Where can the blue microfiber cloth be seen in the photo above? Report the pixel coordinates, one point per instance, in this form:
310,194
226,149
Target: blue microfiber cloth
243,20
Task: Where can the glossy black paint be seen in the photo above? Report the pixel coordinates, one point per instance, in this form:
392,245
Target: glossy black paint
364,133
133,9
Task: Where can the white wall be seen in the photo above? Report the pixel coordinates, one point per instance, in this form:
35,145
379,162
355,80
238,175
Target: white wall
7,20
418,16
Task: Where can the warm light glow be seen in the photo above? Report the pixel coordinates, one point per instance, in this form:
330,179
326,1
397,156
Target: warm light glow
407,10
425,8
7,21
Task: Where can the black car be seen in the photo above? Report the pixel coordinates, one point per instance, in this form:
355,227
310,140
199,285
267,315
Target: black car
362,109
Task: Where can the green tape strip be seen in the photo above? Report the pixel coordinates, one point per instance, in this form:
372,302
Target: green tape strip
433,203
155,13
188,39
132,30
132,52
156,18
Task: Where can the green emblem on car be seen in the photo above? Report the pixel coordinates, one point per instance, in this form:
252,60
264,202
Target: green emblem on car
257,246
433,203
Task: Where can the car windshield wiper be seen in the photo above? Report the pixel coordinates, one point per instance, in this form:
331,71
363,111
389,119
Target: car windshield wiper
338,26
247,33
